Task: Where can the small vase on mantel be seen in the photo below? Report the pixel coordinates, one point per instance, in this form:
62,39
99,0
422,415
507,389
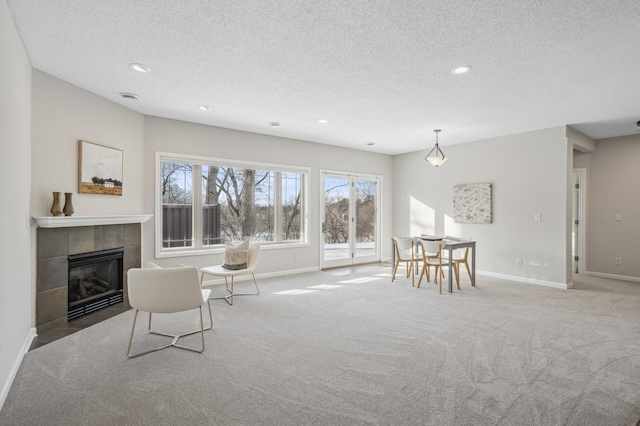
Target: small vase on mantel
68,204
56,210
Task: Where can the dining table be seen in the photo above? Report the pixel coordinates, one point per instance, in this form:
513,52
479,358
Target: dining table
449,244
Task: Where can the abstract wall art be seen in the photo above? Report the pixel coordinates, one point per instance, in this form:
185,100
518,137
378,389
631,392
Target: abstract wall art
472,203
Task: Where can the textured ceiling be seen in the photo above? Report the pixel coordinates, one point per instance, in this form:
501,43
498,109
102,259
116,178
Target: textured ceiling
379,71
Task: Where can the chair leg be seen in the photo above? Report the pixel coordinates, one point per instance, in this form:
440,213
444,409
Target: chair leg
468,269
456,272
423,273
413,275
408,265
440,277
395,268
175,337
255,283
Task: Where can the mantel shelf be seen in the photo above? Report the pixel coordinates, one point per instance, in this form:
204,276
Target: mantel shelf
71,221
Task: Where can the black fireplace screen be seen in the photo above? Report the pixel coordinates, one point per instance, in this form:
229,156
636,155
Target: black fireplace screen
95,282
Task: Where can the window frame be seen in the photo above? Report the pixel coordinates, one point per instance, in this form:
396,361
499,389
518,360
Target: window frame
198,161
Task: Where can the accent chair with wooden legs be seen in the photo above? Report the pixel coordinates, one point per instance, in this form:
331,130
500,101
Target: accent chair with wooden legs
404,250
432,257
460,257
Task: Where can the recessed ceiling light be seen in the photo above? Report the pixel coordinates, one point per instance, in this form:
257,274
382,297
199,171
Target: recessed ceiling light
274,124
140,68
204,107
371,143
461,70
130,96
323,121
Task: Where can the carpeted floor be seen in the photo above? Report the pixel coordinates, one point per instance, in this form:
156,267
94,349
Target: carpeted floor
348,347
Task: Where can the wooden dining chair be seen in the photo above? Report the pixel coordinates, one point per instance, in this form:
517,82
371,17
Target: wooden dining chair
432,257
459,257
404,249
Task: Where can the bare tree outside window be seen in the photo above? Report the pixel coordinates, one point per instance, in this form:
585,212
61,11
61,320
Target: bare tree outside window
236,203
336,210
366,211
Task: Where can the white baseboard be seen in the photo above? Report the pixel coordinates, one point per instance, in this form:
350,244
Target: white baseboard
526,280
245,277
16,365
612,276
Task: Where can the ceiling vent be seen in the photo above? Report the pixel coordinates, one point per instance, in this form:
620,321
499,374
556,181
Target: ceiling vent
129,96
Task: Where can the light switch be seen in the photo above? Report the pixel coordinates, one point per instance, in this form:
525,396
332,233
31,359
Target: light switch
618,217
537,217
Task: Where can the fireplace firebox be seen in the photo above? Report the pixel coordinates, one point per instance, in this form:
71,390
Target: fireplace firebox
95,282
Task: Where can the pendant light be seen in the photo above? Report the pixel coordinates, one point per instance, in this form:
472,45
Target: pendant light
436,156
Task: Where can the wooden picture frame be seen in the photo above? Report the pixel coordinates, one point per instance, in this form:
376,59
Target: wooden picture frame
99,169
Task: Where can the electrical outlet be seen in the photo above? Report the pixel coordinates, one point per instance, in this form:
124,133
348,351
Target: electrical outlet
618,261
518,262
296,256
618,217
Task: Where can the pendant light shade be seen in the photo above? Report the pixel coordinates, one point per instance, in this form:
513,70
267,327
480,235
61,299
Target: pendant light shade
436,156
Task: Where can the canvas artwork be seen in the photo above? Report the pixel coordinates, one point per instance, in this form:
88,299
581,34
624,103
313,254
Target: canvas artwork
99,169
472,203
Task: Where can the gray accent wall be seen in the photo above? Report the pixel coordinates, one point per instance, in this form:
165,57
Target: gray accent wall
612,181
63,114
16,290
164,135
529,175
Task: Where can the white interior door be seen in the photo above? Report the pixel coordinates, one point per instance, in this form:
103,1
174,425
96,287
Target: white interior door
350,219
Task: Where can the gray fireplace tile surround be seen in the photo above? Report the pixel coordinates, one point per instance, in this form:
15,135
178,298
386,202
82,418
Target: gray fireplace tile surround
54,245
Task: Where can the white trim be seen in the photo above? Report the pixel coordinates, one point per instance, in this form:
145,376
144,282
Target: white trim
352,176
71,221
225,162
16,366
582,238
265,275
525,280
612,276
197,248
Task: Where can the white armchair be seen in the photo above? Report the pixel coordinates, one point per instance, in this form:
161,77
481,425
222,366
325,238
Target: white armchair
167,290
220,271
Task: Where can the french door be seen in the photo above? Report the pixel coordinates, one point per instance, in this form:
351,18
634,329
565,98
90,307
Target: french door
350,217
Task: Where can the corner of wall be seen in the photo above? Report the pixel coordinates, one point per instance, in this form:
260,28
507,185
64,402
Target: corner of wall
16,366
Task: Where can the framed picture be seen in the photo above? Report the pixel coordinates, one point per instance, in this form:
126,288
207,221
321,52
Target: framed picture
99,169
472,203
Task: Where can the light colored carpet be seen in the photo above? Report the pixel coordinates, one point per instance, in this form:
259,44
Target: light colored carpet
348,347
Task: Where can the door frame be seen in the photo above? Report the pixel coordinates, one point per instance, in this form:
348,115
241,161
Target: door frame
352,260
580,250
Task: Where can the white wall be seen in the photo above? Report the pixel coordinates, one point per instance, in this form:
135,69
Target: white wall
528,173
166,135
16,306
612,180
63,114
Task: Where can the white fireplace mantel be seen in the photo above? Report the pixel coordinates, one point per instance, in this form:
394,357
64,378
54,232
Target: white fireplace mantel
71,221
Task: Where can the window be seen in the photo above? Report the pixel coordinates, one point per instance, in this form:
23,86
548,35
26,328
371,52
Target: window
204,202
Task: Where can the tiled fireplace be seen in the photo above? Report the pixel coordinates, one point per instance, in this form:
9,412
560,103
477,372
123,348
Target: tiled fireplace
57,245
